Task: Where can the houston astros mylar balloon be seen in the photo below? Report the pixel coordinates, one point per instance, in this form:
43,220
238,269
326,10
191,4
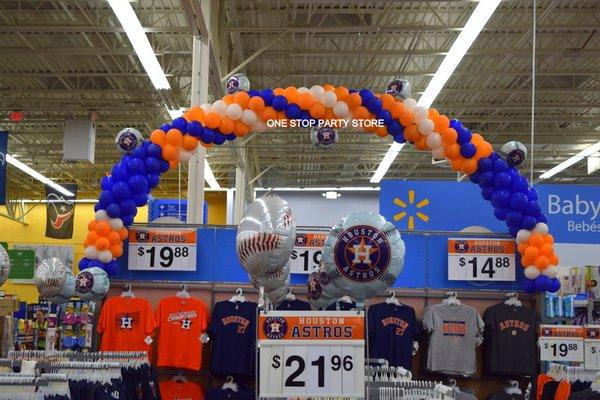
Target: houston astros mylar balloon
50,277
321,292
128,139
323,137
514,152
364,255
265,236
91,284
4,265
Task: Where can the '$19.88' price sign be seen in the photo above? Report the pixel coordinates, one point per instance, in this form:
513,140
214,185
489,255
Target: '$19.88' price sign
561,343
162,249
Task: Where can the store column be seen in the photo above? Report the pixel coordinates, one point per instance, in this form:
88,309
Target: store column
239,202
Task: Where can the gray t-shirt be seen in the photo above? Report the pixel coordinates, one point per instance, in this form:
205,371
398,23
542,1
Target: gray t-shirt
455,332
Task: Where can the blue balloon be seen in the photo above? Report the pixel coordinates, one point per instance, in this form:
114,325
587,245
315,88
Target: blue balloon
533,208
164,166
106,183
165,127
501,198
532,194
500,213
502,180
456,125
127,220
279,103
514,218
230,136
146,144
195,129
154,150
119,173
121,191
98,207
399,138
542,283
219,139
528,222
140,200
138,184
386,116
519,184
464,136
500,166
487,192
96,264
518,201
365,94
128,207
484,164
305,115
113,210
293,111
253,93
267,95
208,136
542,218
494,156
153,180
468,150
554,285
486,179
474,177
137,166
374,105
395,128
84,263
140,152
152,165
181,124
111,268
529,286
512,231
106,197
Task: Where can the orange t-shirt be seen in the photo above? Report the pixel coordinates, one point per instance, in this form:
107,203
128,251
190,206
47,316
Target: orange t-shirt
173,390
125,322
181,322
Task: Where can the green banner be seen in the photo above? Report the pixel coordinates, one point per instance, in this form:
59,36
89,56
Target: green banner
22,264
4,244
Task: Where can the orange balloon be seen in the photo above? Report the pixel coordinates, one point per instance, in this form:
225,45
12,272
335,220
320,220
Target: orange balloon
521,248
278,91
441,123
432,114
189,143
243,99
452,152
477,139
116,250
360,113
421,143
449,136
113,237
291,94
456,164
305,100
341,93
469,166
548,238
170,153
353,100
174,137
123,233
194,114
554,259
158,137
92,237
381,131
256,104
387,100
212,120
547,250
329,115
268,114
228,98
226,126
527,262
87,243
411,133
91,226
484,150
396,109
317,110
206,145
102,228
102,243
328,87
407,118
240,129
532,252
542,262
536,239
173,164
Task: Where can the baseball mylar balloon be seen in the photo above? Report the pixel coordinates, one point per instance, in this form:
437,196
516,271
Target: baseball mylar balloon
365,257
50,277
4,265
92,284
272,281
265,236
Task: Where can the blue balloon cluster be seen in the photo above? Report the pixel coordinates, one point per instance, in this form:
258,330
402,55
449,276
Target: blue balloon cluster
110,268
375,106
541,284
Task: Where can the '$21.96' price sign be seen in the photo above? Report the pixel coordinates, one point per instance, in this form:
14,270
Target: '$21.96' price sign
162,249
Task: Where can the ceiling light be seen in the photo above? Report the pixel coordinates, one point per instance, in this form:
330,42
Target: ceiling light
209,177
133,28
588,151
320,189
463,42
593,163
331,195
33,173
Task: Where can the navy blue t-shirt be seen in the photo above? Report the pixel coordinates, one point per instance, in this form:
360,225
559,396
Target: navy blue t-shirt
293,305
228,394
232,329
392,330
344,306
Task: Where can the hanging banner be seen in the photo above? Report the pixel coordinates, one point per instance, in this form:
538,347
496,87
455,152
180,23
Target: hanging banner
308,250
60,212
3,149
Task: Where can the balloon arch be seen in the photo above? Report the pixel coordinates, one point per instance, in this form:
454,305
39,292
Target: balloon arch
235,115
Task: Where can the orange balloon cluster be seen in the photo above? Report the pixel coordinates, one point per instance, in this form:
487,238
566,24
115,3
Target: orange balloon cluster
538,251
173,143
103,238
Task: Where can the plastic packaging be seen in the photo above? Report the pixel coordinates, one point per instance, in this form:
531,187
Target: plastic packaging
558,306
569,306
549,305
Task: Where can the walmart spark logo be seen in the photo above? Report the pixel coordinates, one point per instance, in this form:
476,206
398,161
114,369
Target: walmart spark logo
411,202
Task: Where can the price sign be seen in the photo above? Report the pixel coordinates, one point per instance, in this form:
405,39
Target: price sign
592,347
307,251
484,259
162,249
311,354
561,343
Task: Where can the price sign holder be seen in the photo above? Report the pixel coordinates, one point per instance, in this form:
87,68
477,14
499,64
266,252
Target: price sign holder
481,259
311,354
592,347
308,250
562,343
155,248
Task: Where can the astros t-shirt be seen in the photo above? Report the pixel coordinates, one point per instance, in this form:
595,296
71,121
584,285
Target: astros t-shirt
181,322
174,390
124,323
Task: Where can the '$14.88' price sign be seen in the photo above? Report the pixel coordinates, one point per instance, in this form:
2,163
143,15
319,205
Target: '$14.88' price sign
162,249
472,259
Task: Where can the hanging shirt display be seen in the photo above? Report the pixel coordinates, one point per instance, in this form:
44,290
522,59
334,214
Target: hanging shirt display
177,390
344,306
511,340
181,321
293,305
228,394
392,330
455,330
125,323
233,332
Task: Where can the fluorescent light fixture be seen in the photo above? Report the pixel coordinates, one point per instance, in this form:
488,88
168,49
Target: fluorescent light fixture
461,45
593,163
319,189
209,177
33,173
588,151
331,195
133,28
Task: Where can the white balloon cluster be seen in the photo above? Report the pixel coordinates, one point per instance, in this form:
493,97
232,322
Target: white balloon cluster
4,265
91,252
532,271
426,126
329,99
234,112
54,280
264,244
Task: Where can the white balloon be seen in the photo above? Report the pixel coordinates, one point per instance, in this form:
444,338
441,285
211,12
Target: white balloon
340,109
116,224
234,111
105,256
410,104
523,235
329,99
184,156
426,126
434,141
303,89
260,127
438,153
206,107
91,252
550,272
101,215
420,113
317,91
50,276
249,117
531,272
220,107
541,227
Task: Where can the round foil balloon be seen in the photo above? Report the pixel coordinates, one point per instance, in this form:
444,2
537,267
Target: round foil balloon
365,257
59,299
4,265
323,137
128,139
92,284
272,281
399,87
265,236
50,277
237,82
320,290
514,152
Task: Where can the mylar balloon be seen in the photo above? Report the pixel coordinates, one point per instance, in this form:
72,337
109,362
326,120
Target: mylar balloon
366,257
237,82
320,291
514,152
92,284
4,265
323,137
128,140
265,236
274,280
50,277
399,87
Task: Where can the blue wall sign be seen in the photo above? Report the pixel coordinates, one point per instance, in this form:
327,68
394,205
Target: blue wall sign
158,208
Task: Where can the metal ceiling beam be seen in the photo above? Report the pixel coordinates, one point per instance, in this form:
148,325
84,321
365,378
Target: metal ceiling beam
78,29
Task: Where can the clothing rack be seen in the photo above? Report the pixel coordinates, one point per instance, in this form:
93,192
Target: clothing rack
417,390
76,356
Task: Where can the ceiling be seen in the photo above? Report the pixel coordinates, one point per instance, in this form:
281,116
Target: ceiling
70,58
